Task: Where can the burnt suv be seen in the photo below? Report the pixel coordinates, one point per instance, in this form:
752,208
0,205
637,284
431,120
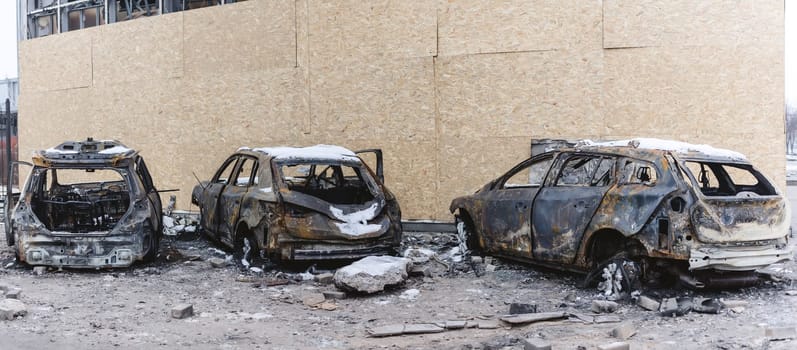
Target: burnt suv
628,209
89,204
311,203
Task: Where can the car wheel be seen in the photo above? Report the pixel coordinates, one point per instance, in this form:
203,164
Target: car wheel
151,243
616,277
467,236
246,251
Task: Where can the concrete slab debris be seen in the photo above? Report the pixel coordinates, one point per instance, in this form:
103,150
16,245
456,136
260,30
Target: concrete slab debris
615,346
624,331
730,304
181,311
313,299
217,262
324,278
488,324
536,344
604,306
11,308
648,303
372,274
536,317
455,324
13,293
386,331
520,308
606,319
334,294
422,328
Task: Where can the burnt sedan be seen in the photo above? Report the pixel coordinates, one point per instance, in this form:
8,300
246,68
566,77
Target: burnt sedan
88,204
622,210
311,203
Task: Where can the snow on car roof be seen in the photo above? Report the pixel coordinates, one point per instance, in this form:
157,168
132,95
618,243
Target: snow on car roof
324,152
667,145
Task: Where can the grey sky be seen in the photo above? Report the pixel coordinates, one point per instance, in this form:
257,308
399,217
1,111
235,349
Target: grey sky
8,42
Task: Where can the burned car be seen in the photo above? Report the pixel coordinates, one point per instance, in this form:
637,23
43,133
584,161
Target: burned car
89,204
312,203
642,210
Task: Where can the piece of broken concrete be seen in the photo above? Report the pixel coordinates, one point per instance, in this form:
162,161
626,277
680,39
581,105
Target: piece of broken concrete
606,319
334,294
39,270
730,304
620,345
488,324
313,299
536,344
420,271
324,278
10,308
455,324
399,329
386,331
648,303
13,293
181,311
372,274
536,317
604,306
422,328
624,331
217,262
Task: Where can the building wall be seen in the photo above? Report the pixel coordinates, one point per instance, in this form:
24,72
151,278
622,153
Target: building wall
452,90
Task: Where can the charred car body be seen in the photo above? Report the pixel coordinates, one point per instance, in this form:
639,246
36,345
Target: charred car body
89,204
659,208
319,202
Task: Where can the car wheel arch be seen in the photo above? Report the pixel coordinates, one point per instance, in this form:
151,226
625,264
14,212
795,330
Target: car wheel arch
605,243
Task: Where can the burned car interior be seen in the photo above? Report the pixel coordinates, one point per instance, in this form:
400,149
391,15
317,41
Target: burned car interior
334,183
727,179
64,202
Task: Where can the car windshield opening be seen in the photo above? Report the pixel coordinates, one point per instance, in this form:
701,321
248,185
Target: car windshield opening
79,200
729,179
334,183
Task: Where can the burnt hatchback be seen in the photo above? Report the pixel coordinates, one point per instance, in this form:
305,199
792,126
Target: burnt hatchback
311,203
89,204
622,210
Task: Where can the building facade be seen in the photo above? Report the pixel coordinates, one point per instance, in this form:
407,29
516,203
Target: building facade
452,91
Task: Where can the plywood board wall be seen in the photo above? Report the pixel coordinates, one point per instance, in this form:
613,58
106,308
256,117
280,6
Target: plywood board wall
452,90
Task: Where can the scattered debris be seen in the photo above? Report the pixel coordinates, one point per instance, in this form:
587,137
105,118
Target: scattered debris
615,346
706,305
325,278
455,324
13,293
313,299
648,303
410,294
604,306
334,294
372,274
11,308
217,262
535,317
488,324
536,344
391,330
730,304
39,270
420,271
520,308
181,311
419,255
624,331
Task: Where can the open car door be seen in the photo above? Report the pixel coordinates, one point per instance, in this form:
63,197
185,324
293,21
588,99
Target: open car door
371,157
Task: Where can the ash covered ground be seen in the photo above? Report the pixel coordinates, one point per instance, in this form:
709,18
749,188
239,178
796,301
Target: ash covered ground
283,307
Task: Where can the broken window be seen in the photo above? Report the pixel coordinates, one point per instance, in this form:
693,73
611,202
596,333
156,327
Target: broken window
247,172
718,179
639,172
586,170
225,174
529,176
80,200
334,183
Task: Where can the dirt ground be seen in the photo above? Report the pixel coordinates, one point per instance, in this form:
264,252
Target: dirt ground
130,308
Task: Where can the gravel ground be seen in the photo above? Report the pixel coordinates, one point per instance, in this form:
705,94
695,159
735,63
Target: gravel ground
130,308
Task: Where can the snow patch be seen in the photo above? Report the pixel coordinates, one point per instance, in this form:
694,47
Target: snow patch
326,152
667,145
356,223
115,150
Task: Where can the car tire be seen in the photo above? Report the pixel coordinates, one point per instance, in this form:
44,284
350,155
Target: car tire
616,276
152,243
467,235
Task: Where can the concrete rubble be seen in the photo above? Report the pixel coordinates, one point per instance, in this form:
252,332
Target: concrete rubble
181,311
372,274
12,308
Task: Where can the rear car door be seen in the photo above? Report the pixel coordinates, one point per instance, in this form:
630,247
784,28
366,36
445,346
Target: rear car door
372,158
507,223
149,188
565,206
210,207
232,196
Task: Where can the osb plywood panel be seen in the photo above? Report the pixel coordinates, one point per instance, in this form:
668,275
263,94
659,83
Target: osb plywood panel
48,118
56,62
410,173
244,108
477,26
247,36
467,163
387,98
635,23
341,28
701,89
139,50
520,94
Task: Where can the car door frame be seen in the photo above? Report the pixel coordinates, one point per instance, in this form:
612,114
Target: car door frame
561,214
380,171
151,192
211,197
507,226
231,198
